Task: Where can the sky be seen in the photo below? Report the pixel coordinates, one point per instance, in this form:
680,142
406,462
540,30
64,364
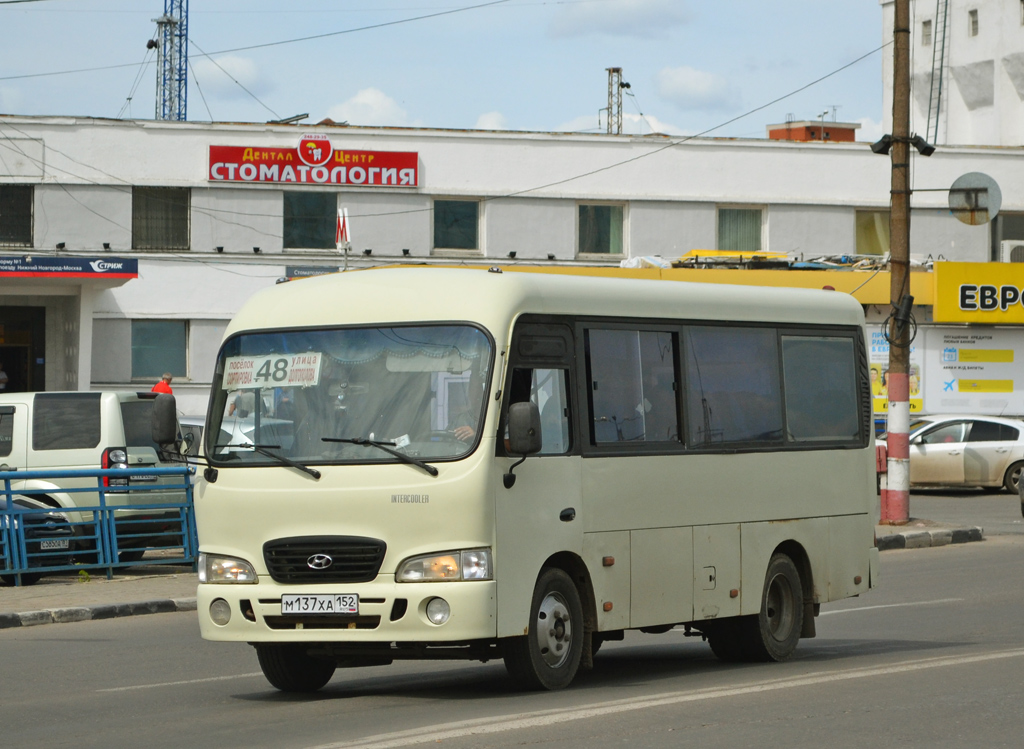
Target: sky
535,65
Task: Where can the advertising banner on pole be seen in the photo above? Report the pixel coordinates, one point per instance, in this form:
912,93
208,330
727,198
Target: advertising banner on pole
878,361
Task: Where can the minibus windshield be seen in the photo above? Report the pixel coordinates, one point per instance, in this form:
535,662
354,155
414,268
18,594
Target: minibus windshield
340,395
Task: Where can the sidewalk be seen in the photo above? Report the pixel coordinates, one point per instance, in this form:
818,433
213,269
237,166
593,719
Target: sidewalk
65,597
155,589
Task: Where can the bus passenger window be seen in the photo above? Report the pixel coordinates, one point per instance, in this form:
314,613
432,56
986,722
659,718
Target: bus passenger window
633,393
821,389
732,386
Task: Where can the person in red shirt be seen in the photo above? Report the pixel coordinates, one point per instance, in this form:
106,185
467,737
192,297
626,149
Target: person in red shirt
164,386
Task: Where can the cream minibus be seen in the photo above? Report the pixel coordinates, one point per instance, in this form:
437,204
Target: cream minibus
450,463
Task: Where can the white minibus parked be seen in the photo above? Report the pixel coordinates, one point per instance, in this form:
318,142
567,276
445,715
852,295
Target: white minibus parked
452,463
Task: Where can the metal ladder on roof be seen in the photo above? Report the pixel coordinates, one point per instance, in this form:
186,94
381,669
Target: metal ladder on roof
939,44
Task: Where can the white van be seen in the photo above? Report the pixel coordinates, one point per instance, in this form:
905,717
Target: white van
85,431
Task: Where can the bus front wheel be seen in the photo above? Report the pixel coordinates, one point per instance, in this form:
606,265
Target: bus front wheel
290,669
548,656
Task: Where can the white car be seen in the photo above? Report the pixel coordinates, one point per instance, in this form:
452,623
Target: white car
963,450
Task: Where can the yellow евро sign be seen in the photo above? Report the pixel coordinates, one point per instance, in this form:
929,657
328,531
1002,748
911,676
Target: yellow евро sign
988,293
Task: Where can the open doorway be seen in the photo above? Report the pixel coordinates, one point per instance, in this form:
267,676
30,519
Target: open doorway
23,348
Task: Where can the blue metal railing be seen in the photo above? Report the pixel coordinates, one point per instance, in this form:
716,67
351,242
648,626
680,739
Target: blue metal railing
105,535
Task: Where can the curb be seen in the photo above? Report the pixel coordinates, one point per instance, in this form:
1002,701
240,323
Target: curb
924,539
102,611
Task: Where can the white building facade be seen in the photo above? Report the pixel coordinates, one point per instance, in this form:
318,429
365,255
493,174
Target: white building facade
208,214
967,71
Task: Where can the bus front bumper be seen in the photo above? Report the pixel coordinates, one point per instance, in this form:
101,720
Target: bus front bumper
387,612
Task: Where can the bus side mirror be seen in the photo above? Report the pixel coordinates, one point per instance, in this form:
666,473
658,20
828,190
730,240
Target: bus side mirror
524,435
163,421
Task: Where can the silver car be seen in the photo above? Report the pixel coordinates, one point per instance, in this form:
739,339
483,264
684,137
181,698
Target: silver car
960,450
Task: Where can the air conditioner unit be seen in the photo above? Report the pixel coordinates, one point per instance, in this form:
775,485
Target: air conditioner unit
1011,251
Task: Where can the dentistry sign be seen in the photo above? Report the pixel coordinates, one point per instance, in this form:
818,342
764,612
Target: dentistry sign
313,161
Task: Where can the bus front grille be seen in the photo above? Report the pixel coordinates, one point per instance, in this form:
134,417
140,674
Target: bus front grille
324,559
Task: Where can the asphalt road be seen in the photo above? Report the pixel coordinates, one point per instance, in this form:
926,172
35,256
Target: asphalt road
933,657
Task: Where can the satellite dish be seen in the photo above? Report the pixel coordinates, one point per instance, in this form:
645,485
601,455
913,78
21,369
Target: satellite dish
975,198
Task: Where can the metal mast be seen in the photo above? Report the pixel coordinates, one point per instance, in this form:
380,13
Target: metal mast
172,61
614,101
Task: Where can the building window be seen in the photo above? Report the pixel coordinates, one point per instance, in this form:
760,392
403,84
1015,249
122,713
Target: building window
926,33
872,232
456,224
16,215
310,220
972,23
160,218
600,229
739,229
159,346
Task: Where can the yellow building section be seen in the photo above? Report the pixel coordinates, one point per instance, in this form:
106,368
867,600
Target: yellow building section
986,356
867,287
985,386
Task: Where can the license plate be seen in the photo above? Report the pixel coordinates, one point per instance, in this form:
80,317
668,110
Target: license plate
54,543
333,603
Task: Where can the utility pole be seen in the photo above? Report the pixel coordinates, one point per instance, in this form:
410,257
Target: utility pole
895,508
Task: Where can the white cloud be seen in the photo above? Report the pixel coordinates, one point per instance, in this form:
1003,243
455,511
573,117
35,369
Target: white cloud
632,124
636,18
689,88
870,131
370,106
491,121
215,75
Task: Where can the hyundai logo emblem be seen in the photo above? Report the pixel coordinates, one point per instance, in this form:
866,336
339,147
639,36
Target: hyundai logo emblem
319,562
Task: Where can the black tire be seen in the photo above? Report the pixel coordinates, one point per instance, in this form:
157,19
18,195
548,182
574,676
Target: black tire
726,640
131,555
290,669
774,633
1011,479
27,578
548,656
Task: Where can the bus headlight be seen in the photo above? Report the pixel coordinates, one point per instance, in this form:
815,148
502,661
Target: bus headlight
469,564
216,568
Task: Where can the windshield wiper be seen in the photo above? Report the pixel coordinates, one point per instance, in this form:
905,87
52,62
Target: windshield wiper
386,447
265,450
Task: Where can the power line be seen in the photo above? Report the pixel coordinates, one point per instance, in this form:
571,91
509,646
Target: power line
256,98
266,44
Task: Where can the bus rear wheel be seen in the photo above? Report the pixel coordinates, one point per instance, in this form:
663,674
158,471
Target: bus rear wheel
548,656
290,669
774,633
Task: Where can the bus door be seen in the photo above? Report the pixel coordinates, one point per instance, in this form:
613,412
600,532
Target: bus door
540,514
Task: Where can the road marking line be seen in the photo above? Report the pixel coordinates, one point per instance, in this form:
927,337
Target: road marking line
892,606
484,726
180,683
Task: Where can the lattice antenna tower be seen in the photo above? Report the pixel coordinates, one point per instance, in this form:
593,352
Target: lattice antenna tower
614,101
172,61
